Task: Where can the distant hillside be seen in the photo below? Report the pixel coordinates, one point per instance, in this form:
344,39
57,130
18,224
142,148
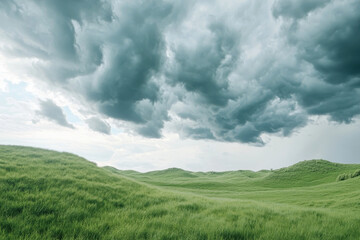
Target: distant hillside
52,195
304,173
308,173
173,173
304,183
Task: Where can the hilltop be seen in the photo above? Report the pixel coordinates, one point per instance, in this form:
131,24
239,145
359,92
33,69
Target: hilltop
52,195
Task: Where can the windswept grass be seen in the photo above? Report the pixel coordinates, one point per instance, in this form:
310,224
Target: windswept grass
51,195
345,176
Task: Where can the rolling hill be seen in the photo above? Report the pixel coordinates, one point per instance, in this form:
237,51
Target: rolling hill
51,195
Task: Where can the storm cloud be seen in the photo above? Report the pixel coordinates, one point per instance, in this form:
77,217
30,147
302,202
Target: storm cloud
326,35
215,70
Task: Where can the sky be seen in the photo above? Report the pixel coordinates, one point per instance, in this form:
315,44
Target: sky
200,85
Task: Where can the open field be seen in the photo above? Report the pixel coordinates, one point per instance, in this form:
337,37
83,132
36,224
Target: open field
51,195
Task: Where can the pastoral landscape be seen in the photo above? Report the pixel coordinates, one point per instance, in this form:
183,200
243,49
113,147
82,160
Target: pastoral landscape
56,195
179,120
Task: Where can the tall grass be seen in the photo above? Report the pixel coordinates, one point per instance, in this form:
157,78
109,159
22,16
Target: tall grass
50,195
345,176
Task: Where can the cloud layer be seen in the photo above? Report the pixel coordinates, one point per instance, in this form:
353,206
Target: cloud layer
209,70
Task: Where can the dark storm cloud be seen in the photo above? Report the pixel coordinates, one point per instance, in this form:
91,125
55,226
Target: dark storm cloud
53,112
205,67
247,124
229,71
329,40
98,125
132,50
110,51
296,9
45,30
198,133
327,37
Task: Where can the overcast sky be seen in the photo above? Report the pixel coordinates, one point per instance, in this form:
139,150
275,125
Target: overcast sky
200,85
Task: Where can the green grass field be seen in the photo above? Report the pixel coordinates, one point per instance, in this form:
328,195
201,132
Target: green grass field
51,195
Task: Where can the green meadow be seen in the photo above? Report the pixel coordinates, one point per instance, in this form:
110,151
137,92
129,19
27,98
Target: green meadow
55,195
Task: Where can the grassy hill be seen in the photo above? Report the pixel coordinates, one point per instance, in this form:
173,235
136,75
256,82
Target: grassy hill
51,195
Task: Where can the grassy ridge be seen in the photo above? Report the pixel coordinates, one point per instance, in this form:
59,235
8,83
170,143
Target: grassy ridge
50,195
305,184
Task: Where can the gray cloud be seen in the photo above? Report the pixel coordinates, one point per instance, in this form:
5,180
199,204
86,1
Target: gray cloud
333,51
296,9
204,68
330,46
222,70
53,112
98,125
